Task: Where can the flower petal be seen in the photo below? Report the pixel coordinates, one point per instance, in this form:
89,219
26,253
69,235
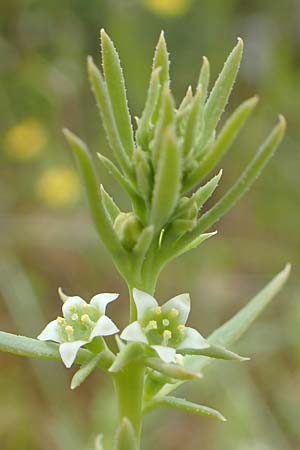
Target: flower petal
70,304
167,354
68,351
100,301
104,327
182,303
51,332
143,302
134,333
193,339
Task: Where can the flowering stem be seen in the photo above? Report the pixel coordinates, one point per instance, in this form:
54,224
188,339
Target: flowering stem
129,385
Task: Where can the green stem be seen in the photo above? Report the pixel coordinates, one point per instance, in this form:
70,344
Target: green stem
129,385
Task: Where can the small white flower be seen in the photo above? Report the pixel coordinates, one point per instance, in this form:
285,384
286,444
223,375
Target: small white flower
80,324
163,327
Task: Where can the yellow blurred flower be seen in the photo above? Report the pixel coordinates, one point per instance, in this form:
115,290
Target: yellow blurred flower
26,140
171,8
58,187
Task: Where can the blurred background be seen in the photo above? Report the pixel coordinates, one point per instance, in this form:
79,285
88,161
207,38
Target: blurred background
47,239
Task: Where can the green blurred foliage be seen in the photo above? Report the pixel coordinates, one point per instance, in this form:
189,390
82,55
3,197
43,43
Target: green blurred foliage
50,243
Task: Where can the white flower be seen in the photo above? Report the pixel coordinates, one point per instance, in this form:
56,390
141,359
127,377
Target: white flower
80,324
163,327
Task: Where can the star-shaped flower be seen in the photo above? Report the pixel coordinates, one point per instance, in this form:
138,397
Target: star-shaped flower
80,324
163,327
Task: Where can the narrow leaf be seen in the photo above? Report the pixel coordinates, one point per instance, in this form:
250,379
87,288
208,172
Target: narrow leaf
85,370
144,177
184,405
114,171
167,181
186,101
100,91
243,184
204,76
214,351
142,246
125,437
219,95
166,117
132,352
161,60
111,208
224,140
117,92
145,123
101,220
172,370
193,126
33,348
180,247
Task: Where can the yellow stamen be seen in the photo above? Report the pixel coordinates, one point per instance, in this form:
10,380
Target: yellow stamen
70,332
73,308
166,322
157,310
174,313
181,329
167,335
61,320
152,325
74,316
86,319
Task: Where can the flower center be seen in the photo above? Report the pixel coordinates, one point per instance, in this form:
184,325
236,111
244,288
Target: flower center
79,323
163,327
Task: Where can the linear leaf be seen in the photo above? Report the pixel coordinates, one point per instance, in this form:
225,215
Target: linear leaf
184,405
219,95
167,181
111,207
204,76
172,370
85,370
132,352
224,140
33,348
125,437
117,92
100,91
193,125
114,171
100,218
243,184
143,131
214,351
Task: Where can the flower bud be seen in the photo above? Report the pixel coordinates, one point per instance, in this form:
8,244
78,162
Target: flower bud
128,229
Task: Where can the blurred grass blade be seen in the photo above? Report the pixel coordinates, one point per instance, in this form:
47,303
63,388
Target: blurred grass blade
204,76
224,140
109,123
243,184
125,437
219,95
85,370
184,405
132,352
172,370
167,181
99,442
101,219
111,208
116,90
143,131
214,351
